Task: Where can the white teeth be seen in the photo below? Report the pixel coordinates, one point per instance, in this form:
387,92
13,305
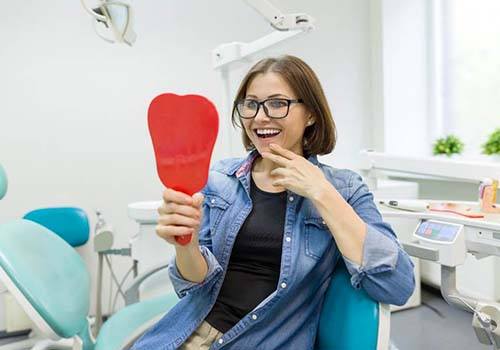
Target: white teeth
267,131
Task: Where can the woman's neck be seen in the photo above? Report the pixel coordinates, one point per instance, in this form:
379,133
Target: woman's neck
264,166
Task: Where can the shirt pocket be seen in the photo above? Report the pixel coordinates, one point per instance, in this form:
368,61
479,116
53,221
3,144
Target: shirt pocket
318,238
217,207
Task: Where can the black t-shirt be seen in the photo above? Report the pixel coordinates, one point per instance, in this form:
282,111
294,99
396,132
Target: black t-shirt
254,266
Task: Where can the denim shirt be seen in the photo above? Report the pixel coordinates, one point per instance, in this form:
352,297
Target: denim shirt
289,316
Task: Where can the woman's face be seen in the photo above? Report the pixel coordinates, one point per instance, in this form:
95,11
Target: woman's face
263,130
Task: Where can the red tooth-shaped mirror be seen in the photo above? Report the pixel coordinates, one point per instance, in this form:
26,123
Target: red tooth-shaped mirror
183,130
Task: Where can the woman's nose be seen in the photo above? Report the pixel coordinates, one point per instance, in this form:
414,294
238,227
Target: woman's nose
261,115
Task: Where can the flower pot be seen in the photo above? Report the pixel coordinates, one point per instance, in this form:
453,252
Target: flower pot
453,156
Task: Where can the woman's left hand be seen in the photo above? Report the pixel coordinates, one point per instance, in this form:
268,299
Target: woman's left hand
295,173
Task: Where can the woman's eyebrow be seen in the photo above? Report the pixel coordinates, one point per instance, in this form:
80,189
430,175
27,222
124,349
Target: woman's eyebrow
277,95
270,96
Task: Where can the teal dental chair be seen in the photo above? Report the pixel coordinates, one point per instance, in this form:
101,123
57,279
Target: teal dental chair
3,182
71,224
51,282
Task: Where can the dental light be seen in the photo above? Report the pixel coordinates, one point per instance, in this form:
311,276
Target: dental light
113,21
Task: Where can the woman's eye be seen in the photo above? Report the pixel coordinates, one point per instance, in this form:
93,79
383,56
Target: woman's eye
277,103
250,104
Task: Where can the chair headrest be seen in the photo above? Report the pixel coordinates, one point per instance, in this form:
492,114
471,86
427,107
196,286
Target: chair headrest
69,223
3,182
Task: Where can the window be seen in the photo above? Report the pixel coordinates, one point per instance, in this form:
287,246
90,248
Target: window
468,64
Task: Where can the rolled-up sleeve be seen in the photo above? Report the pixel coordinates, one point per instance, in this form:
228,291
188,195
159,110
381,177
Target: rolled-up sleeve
183,286
386,271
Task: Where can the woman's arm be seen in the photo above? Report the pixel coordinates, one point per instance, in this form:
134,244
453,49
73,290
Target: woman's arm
368,245
191,265
386,271
194,265
347,228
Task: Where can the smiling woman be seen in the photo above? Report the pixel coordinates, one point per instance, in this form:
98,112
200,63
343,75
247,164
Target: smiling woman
287,89
273,226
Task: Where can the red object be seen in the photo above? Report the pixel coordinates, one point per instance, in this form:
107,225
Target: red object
458,209
183,130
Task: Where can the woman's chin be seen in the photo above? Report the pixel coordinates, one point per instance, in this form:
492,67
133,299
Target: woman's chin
263,144
263,148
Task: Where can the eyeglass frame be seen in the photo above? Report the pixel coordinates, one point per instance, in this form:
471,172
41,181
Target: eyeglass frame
262,103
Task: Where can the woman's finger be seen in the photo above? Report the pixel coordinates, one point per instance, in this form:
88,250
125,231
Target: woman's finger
276,159
170,195
186,210
178,220
172,231
286,153
279,172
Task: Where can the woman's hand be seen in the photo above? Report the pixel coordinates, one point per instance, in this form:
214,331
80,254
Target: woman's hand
180,214
295,173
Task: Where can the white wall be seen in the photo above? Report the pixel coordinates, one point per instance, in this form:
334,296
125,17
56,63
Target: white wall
73,108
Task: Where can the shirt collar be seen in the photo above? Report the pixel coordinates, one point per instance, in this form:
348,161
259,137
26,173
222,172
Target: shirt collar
242,167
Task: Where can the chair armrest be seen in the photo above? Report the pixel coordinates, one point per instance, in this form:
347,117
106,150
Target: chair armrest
132,292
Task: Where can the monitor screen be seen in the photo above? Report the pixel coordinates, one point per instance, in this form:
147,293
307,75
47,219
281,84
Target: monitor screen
437,231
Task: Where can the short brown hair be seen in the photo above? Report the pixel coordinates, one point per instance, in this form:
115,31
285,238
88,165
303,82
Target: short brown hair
320,137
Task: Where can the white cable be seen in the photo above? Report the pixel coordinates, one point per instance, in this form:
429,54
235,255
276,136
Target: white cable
486,319
119,288
114,276
110,289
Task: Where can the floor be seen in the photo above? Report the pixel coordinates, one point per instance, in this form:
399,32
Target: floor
434,325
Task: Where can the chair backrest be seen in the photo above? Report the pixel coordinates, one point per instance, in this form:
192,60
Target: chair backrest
350,319
71,224
3,182
47,277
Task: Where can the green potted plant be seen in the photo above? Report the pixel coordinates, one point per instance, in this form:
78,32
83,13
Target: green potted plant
492,145
448,146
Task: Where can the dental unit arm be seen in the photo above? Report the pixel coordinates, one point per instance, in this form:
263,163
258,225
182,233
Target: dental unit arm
286,26
446,239
446,236
277,19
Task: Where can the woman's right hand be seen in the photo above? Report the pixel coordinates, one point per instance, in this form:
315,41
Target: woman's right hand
180,214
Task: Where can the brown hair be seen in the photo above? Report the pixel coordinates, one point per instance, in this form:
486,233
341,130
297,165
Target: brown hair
320,137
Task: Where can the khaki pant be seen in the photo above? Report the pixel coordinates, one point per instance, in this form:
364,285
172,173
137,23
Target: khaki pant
202,338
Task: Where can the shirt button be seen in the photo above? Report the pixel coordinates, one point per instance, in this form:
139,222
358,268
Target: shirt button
221,341
288,239
254,317
323,222
291,198
283,285
212,201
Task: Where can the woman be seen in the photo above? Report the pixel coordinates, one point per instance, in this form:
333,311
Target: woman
272,227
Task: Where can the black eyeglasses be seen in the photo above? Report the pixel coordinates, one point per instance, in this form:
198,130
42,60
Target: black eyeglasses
276,108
